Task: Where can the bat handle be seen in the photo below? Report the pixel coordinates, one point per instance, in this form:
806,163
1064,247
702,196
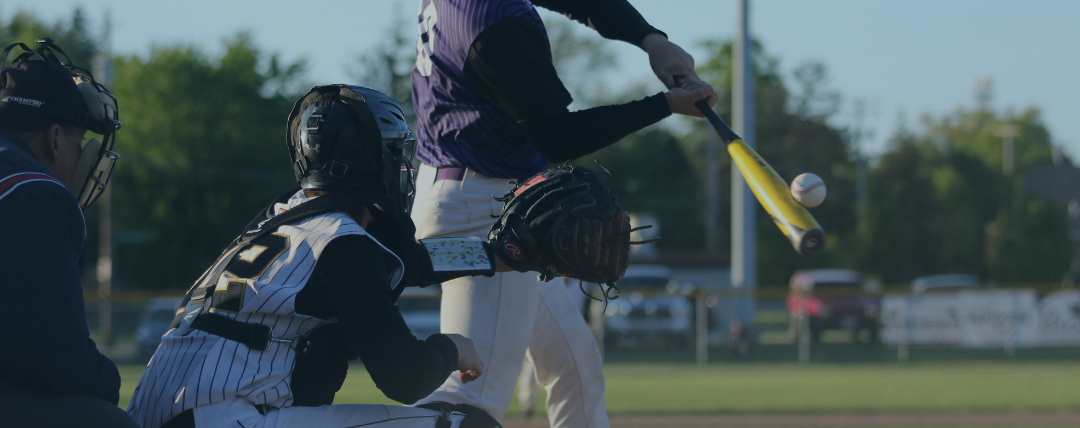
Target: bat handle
703,107
702,104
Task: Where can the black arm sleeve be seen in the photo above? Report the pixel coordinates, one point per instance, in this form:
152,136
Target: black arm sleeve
613,19
511,65
352,282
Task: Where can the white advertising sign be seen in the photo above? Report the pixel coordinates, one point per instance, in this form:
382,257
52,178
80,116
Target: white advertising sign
996,318
985,318
921,319
1059,318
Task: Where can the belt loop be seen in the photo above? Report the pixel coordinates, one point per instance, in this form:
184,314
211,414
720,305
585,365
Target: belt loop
464,176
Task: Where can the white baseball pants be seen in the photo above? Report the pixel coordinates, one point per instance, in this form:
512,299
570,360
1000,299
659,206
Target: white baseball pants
510,316
239,412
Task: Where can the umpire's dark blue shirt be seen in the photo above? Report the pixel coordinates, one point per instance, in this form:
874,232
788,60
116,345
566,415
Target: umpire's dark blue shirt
45,343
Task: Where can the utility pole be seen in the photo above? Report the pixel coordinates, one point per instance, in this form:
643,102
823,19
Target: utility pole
743,205
103,72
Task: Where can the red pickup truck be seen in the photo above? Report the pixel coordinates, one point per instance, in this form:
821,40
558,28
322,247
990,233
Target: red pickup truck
833,299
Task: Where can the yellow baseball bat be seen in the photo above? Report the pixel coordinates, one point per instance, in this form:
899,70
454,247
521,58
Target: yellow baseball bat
793,219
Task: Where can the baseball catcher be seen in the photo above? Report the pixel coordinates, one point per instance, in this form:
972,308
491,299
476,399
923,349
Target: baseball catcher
265,336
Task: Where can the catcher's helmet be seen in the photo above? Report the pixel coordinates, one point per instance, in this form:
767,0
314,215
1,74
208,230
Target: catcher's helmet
345,137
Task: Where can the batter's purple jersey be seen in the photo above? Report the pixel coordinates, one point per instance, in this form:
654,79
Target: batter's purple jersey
455,124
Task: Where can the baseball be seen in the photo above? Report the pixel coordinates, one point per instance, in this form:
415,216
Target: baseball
808,190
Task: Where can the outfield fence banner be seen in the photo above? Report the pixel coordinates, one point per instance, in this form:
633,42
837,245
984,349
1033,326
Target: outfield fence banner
995,318
928,319
1059,318
975,319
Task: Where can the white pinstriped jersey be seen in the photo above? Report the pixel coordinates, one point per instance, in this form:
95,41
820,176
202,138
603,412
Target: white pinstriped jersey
259,287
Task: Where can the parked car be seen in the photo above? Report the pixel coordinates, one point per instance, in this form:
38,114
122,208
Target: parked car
154,323
653,307
420,309
944,283
833,299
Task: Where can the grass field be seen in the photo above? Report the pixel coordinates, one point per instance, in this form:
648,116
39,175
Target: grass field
784,389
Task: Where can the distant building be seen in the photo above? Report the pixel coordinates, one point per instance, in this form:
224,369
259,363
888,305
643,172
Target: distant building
1059,183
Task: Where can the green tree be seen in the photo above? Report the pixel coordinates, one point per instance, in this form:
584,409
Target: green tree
940,202
202,151
387,67
1027,244
73,35
898,242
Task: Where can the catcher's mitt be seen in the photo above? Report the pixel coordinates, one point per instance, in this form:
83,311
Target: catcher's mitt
564,222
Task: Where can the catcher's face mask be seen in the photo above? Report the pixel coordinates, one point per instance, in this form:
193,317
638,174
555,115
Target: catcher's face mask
87,104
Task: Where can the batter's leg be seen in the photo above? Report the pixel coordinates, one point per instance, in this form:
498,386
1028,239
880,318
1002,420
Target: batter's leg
497,314
526,388
567,361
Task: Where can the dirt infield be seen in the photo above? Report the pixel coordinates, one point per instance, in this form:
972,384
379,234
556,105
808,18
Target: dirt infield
1034,420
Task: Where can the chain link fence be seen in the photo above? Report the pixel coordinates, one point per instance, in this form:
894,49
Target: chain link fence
697,325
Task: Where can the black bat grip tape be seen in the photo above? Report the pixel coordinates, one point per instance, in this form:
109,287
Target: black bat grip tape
717,123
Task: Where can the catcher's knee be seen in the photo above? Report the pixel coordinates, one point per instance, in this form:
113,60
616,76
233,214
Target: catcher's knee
475,417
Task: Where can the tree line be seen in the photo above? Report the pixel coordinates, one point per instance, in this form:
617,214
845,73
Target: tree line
203,150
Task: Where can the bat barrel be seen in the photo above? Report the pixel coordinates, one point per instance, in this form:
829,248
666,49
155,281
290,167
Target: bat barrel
793,219
801,229
810,241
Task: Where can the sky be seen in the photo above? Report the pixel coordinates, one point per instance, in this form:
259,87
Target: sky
903,57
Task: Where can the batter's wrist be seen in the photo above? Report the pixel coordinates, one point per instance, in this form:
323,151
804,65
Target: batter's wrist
650,40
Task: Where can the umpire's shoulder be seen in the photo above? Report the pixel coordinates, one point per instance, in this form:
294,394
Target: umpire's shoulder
31,197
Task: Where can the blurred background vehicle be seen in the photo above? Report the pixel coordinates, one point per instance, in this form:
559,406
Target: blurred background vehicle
653,308
154,323
420,309
944,283
832,299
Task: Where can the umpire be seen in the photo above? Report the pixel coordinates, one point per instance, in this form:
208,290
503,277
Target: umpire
51,373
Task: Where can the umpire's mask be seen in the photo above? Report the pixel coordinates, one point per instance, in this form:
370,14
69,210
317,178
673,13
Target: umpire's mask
34,94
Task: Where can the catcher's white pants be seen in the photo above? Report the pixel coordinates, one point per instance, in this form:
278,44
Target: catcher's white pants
510,316
239,412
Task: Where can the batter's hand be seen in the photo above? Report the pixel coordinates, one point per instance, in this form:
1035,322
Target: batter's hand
469,363
667,59
681,99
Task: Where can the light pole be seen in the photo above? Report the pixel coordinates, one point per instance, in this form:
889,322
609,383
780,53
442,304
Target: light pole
1008,133
743,204
103,71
